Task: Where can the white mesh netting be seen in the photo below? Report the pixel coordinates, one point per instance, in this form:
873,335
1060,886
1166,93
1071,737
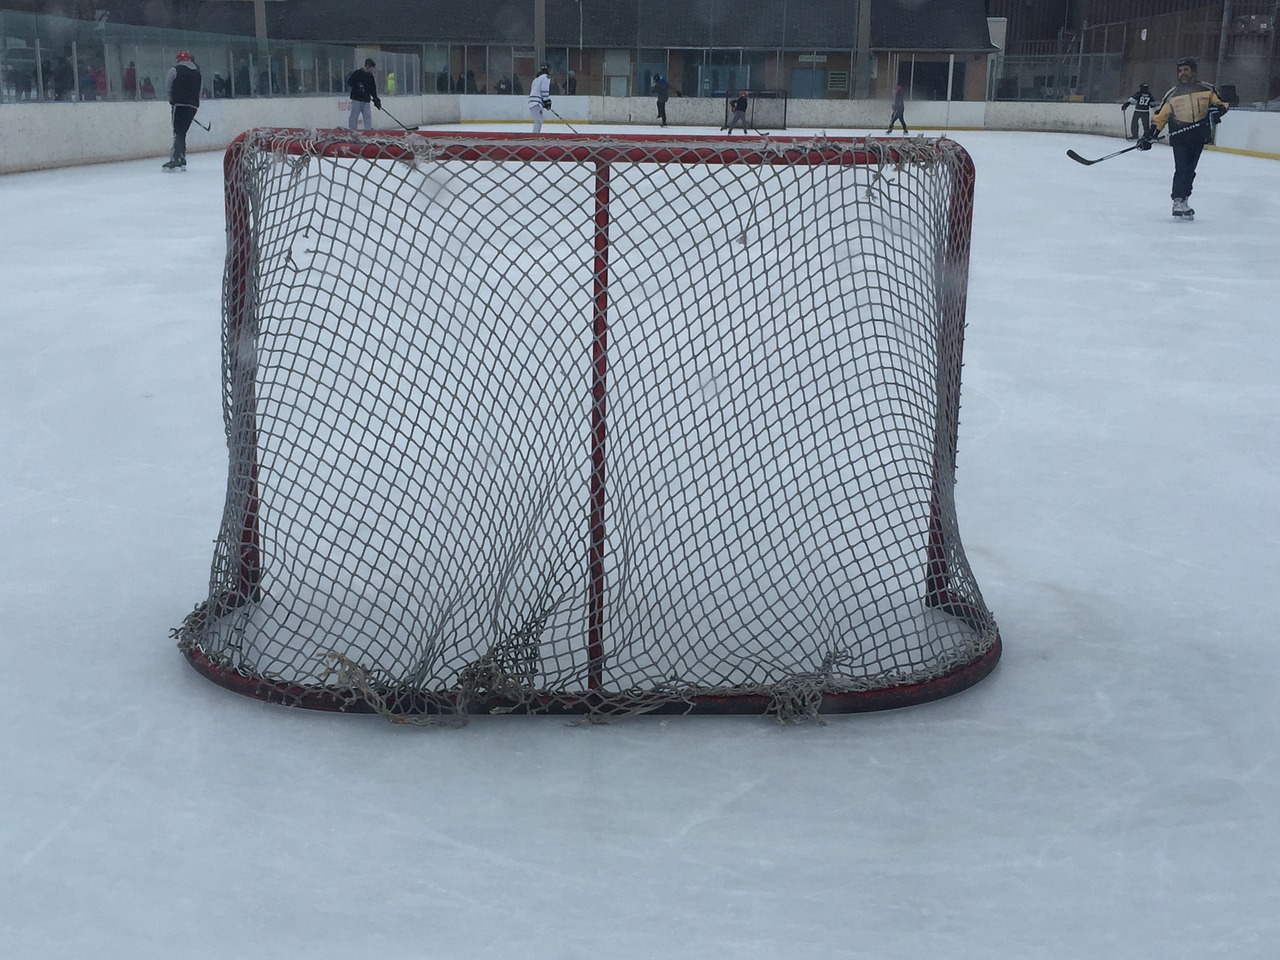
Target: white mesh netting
591,423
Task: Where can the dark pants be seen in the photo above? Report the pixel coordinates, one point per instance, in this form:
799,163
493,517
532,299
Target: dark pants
897,116
662,110
1187,148
1145,117
182,117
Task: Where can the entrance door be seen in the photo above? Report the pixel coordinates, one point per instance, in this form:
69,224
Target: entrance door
808,83
927,80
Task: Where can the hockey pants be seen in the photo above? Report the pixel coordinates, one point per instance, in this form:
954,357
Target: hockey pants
182,117
1186,155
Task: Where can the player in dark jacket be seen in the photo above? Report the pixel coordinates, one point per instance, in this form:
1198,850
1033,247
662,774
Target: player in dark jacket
1190,110
662,90
739,108
1142,101
899,107
182,85
364,89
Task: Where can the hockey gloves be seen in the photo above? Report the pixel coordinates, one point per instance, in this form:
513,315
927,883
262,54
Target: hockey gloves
377,103
1217,112
1147,139
546,104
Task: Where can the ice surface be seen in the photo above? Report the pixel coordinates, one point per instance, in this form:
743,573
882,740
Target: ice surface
1109,792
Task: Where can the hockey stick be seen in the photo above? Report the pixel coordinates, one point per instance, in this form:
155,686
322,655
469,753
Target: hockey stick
561,119
397,122
1088,163
173,108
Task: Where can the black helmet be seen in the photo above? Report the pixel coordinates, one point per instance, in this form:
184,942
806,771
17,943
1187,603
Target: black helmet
1188,62
545,68
1142,86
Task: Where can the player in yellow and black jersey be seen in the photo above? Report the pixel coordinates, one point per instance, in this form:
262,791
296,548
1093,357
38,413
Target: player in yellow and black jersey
1191,110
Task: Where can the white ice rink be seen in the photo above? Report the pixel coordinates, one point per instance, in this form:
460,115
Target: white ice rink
1112,791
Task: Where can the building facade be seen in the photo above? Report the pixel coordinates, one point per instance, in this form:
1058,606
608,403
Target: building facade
938,49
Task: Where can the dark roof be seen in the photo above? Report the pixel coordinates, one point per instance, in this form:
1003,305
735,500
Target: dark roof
957,25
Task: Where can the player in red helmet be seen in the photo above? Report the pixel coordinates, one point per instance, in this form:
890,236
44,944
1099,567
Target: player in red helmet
182,85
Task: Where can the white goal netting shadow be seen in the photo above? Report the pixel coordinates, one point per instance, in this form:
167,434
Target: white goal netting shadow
592,424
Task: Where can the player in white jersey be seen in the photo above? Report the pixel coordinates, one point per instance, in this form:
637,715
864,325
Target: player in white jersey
540,96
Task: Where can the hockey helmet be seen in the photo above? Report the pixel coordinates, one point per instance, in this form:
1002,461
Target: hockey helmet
545,68
183,55
1188,62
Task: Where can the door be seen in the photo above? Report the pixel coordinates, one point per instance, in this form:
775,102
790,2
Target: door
808,83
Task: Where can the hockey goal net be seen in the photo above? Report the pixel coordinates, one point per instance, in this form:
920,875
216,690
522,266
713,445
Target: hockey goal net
592,424
766,110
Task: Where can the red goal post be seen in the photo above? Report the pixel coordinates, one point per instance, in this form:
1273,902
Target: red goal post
592,423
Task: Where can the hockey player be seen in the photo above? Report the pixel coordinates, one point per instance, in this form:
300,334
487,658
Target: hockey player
182,86
364,90
1142,101
898,107
540,96
739,108
1190,109
662,90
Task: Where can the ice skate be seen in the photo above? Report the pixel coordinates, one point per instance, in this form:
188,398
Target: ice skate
1181,211
172,165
